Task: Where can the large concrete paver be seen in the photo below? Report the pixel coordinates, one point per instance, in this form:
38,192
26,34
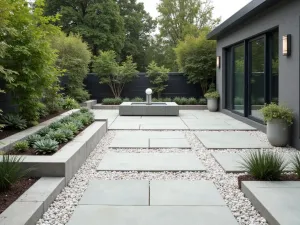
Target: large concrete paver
155,162
152,215
278,202
115,192
168,143
230,139
189,193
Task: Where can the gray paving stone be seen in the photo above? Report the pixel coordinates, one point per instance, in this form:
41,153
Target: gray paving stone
124,125
278,202
184,193
116,192
153,215
163,127
230,139
231,162
155,162
169,143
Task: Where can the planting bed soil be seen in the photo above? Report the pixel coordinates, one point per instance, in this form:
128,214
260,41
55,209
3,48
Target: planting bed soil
284,177
8,197
6,132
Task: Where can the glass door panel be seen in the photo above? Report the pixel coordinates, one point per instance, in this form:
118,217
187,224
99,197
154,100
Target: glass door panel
238,78
257,76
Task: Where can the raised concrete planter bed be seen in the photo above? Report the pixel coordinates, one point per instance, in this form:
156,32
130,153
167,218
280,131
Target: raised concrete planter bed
89,104
278,202
7,143
155,109
69,159
30,206
181,107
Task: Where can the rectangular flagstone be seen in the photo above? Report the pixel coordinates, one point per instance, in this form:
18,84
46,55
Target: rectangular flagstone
152,215
169,143
231,162
188,193
116,192
230,139
278,202
153,162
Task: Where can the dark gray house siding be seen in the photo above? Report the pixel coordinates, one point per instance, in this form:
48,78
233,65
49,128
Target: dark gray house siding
285,16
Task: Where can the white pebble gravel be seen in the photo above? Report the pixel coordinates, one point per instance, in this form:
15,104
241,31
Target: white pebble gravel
64,205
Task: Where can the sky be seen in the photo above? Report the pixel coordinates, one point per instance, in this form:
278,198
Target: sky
223,8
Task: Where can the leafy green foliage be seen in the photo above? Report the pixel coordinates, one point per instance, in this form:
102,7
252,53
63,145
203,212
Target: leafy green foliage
296,164
71,126
79,124
266,166
21,146
112,74
202,101
53,100
67,133
29,54
33,138
112,101
74,58
98,22
11,171
57,135
56,125
43,132
196,58
45,147
137,99
43,110
158,77
70,103
14,121
214,94
84,110
192,101
273,111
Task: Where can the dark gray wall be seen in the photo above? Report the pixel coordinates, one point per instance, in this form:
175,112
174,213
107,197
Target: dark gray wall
285,16
177,86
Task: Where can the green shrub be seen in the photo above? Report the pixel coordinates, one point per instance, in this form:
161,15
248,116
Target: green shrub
137,99
45,147
57,135
79,94
266,166
84,110
43,132
155,100
177,100
126,100
183,101
214,94
14,121
71,126
70,103
43,110
11,171
34,138
56,125
296,164
212,88
21,146
79,124
68,133
66,119
167,100
202,101
53,101
273,111
112,101
192,101
89,117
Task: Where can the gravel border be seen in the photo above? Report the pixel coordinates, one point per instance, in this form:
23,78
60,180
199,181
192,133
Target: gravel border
63,207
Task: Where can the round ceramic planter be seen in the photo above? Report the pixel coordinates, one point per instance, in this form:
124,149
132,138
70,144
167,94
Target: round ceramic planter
278,133
212,104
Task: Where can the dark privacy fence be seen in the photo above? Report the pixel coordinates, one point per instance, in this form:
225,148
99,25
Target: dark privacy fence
177,86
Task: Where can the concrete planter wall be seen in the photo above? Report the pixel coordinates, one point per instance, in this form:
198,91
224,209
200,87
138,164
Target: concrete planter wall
181,107
212,104
278,133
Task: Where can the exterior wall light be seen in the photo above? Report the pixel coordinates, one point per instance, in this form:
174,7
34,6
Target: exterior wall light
286,45
219,62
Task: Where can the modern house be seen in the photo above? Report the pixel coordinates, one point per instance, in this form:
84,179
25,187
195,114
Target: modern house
258,55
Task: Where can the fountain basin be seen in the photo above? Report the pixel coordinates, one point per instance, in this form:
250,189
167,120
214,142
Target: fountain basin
155,109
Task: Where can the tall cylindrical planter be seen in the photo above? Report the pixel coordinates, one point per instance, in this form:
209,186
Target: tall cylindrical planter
278,133
212,104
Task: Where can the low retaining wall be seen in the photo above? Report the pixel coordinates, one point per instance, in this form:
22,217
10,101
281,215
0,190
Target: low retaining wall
181,107
89,104
7,143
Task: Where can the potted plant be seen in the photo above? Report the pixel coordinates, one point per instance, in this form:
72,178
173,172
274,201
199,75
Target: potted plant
278,119
212,100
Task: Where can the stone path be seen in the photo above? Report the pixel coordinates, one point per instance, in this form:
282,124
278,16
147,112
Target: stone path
152,203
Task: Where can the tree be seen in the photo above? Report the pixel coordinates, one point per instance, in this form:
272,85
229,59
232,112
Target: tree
196,58
28,53
97,21
138,28
113,74
158,77
73,57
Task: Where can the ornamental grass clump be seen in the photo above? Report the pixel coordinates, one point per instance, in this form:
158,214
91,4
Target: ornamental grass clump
273,111
21,146
267,166
296,164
